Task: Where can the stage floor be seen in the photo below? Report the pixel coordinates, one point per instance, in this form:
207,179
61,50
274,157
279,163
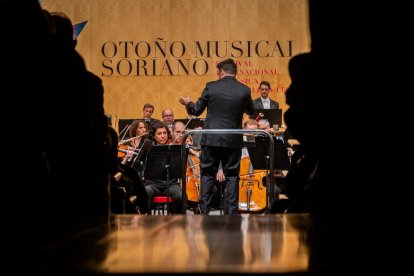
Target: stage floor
179,243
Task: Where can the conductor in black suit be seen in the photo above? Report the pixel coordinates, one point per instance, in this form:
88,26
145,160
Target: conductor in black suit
226,101
264,102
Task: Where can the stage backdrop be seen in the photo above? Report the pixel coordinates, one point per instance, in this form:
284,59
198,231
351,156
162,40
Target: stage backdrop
154,51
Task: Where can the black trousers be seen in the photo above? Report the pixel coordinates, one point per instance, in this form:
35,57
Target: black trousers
210,159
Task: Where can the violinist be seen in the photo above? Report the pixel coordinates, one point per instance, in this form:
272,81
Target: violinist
160,134
127,193
138,132
178,129
168,117
264,125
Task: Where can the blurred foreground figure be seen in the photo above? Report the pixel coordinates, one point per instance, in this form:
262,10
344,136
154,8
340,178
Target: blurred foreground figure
56,171
329,178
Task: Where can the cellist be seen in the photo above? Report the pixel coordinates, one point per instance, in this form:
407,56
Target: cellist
193,165
252,193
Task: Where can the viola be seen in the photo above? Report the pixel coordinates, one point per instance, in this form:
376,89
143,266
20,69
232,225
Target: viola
252,192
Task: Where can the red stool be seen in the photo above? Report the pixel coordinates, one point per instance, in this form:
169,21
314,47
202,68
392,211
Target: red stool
160,202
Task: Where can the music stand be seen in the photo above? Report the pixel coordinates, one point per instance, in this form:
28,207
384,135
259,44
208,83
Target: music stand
194,123
163,163
146,146
259,149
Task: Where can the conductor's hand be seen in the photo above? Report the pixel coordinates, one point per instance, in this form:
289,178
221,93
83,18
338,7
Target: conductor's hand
185,100
220,176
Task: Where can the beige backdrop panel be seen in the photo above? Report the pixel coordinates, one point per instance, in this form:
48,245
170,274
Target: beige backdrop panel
187,21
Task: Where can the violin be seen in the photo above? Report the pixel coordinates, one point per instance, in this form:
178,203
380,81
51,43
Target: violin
123,150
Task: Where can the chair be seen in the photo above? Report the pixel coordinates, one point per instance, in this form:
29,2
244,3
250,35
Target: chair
160,203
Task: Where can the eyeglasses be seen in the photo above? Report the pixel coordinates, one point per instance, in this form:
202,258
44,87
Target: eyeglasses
168,115
265,89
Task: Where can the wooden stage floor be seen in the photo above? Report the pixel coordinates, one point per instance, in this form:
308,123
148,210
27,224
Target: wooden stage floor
270,244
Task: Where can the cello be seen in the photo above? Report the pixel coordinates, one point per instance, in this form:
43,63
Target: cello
252,192
193,179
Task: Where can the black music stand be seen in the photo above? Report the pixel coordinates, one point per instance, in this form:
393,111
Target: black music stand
145,147
163,163
194,123
258,150
259,156
258,153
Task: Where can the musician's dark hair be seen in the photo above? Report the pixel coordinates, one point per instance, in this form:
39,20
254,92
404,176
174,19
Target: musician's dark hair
148,105
156,125
265,83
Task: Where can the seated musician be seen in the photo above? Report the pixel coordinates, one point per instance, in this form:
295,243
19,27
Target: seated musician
138,133
193,167
168,118
178,129
249,124
127,194
265,125
160,134
192,150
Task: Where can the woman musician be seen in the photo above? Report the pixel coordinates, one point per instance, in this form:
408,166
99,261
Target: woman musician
138,133
160,135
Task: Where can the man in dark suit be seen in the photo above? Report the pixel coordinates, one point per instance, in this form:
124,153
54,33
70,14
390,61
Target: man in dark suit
264,102
147,112
226,101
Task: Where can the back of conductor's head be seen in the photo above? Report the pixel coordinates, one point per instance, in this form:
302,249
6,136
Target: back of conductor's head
228,66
